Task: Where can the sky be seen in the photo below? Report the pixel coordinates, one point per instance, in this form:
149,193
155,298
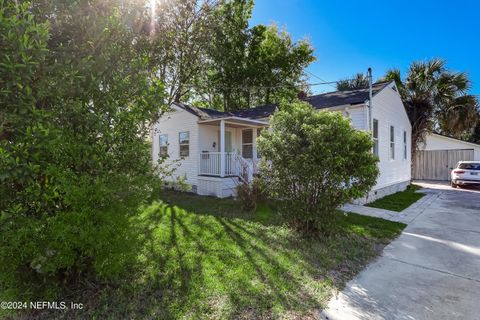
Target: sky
350,35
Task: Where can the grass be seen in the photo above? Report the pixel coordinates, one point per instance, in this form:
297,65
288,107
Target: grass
203,258
398,201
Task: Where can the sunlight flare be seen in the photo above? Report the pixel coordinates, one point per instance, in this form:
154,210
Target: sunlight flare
153,6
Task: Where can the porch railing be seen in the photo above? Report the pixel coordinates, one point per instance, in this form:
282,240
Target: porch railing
235,165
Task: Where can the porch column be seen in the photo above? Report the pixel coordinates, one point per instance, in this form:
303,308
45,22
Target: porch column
254,144
222,148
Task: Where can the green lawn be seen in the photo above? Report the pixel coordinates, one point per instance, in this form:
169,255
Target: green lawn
398,201
203,258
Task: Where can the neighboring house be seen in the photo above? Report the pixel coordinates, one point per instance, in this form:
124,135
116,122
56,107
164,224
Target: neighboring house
439,154
218,149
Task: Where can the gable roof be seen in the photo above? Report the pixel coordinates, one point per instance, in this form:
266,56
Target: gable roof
340,98
319,101
202,113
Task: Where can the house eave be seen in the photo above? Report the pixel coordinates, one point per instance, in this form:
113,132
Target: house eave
235,120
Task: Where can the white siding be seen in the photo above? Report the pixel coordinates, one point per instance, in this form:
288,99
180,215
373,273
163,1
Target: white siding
438,142
388,109
358,115
209,134
172,124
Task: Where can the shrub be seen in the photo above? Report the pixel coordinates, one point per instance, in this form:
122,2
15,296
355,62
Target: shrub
75,110
250,194
314,162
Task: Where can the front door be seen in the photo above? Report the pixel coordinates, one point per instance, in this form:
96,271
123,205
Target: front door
228,141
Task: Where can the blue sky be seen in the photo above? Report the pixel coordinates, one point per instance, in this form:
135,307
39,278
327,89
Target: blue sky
351,35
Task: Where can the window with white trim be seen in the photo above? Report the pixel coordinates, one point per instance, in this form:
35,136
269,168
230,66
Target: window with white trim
405,145
247,143
184,142
375,137
163,141
392,142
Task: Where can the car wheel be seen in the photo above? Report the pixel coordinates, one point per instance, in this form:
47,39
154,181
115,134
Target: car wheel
453,184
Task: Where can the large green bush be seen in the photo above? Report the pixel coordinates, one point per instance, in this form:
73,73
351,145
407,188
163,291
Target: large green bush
76,104
314,162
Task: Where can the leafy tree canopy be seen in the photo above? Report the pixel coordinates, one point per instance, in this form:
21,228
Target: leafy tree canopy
206,53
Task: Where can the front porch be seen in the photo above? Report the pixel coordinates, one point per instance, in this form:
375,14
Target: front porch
228,153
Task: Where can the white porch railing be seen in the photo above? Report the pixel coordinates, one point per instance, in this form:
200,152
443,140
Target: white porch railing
235,165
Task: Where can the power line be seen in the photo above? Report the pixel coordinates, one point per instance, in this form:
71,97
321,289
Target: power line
314,75
272,87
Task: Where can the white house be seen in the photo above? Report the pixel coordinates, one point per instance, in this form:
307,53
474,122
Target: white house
214,150
439,154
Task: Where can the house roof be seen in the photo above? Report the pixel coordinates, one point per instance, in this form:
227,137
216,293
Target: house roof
340,98
257,112
452,138
202,113
319,101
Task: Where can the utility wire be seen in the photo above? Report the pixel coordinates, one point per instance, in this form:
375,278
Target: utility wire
272,87
314,75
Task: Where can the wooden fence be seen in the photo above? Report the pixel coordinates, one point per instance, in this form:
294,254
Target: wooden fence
437,164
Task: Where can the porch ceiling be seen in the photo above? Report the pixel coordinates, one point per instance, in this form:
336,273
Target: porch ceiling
235,122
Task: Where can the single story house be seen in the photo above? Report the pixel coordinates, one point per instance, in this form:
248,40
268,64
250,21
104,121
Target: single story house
215,150
439,154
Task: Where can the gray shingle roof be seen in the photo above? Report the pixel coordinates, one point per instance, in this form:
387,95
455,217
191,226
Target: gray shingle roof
257,112
339,98
203,113
319,101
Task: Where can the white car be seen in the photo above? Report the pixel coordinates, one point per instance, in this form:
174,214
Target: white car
466,172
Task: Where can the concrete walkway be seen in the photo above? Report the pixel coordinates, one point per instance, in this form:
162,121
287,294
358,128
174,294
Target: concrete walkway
406,216
432,271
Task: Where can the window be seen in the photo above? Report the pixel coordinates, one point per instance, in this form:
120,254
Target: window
259,132
469,166
163,145
247,143
375,137
404,145
392,142
184,142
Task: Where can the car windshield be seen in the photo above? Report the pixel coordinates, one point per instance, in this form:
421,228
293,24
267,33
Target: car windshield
469,166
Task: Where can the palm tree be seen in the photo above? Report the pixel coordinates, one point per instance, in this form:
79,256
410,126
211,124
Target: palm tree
358,81
475,136
436,99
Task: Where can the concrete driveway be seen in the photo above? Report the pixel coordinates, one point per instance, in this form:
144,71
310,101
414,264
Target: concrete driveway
432,271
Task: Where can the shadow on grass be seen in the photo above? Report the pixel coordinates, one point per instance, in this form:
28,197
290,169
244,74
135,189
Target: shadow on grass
203,258
203,266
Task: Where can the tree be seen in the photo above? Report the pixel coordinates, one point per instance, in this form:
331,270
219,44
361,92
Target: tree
252,66
436,99
358,81
475,136
206,54
77,101
315,162
179,36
